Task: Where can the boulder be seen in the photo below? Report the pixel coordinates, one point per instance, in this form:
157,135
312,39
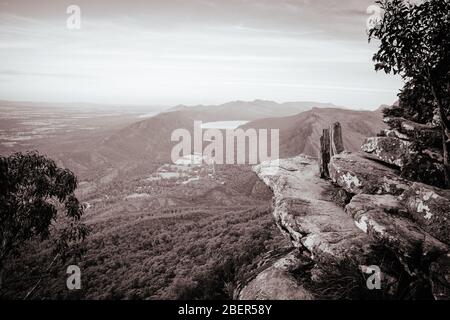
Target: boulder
324,230
357,174
277,283
430,208
388,219
383,218
390,150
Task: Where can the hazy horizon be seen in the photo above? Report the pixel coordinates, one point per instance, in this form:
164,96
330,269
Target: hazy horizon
160,107
193,52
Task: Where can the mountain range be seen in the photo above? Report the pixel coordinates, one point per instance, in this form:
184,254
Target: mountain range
146,143
249,110
301,133
299,130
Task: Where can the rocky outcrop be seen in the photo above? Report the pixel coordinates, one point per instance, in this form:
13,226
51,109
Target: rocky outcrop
415,148
357,174
304,210
410,219
391,150
366,216
376,226
430,208
385,220
277,282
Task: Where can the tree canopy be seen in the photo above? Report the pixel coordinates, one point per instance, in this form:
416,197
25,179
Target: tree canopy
32,189
415,43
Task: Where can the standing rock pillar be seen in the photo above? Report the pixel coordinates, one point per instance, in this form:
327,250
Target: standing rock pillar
331,143
324,155
337,144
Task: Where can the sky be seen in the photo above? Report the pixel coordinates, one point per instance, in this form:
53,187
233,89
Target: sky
190,52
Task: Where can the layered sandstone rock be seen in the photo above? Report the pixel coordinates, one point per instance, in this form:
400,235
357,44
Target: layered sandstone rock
357,174
304,210
378,212
430,208
277,283
391,150
410,219
385,220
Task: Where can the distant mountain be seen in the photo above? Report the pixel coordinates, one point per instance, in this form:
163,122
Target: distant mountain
150,138
143,145
301,133
177,108
248,110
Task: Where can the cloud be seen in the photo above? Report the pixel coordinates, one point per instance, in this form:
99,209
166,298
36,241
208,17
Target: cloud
44,74
182,51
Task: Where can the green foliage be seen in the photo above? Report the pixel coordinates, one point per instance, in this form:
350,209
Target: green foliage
208,240
420,167
415,43
31,189
416,103
200,254
414,38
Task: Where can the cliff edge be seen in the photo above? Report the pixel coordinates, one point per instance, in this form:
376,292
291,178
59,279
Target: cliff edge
364,217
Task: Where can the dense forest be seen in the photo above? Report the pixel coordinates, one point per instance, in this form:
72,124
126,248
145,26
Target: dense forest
134,251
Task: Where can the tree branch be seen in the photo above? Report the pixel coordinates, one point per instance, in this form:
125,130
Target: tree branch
40,278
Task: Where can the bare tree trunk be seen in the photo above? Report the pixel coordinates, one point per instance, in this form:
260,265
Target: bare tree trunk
30,293
324,154
445,131
337,143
